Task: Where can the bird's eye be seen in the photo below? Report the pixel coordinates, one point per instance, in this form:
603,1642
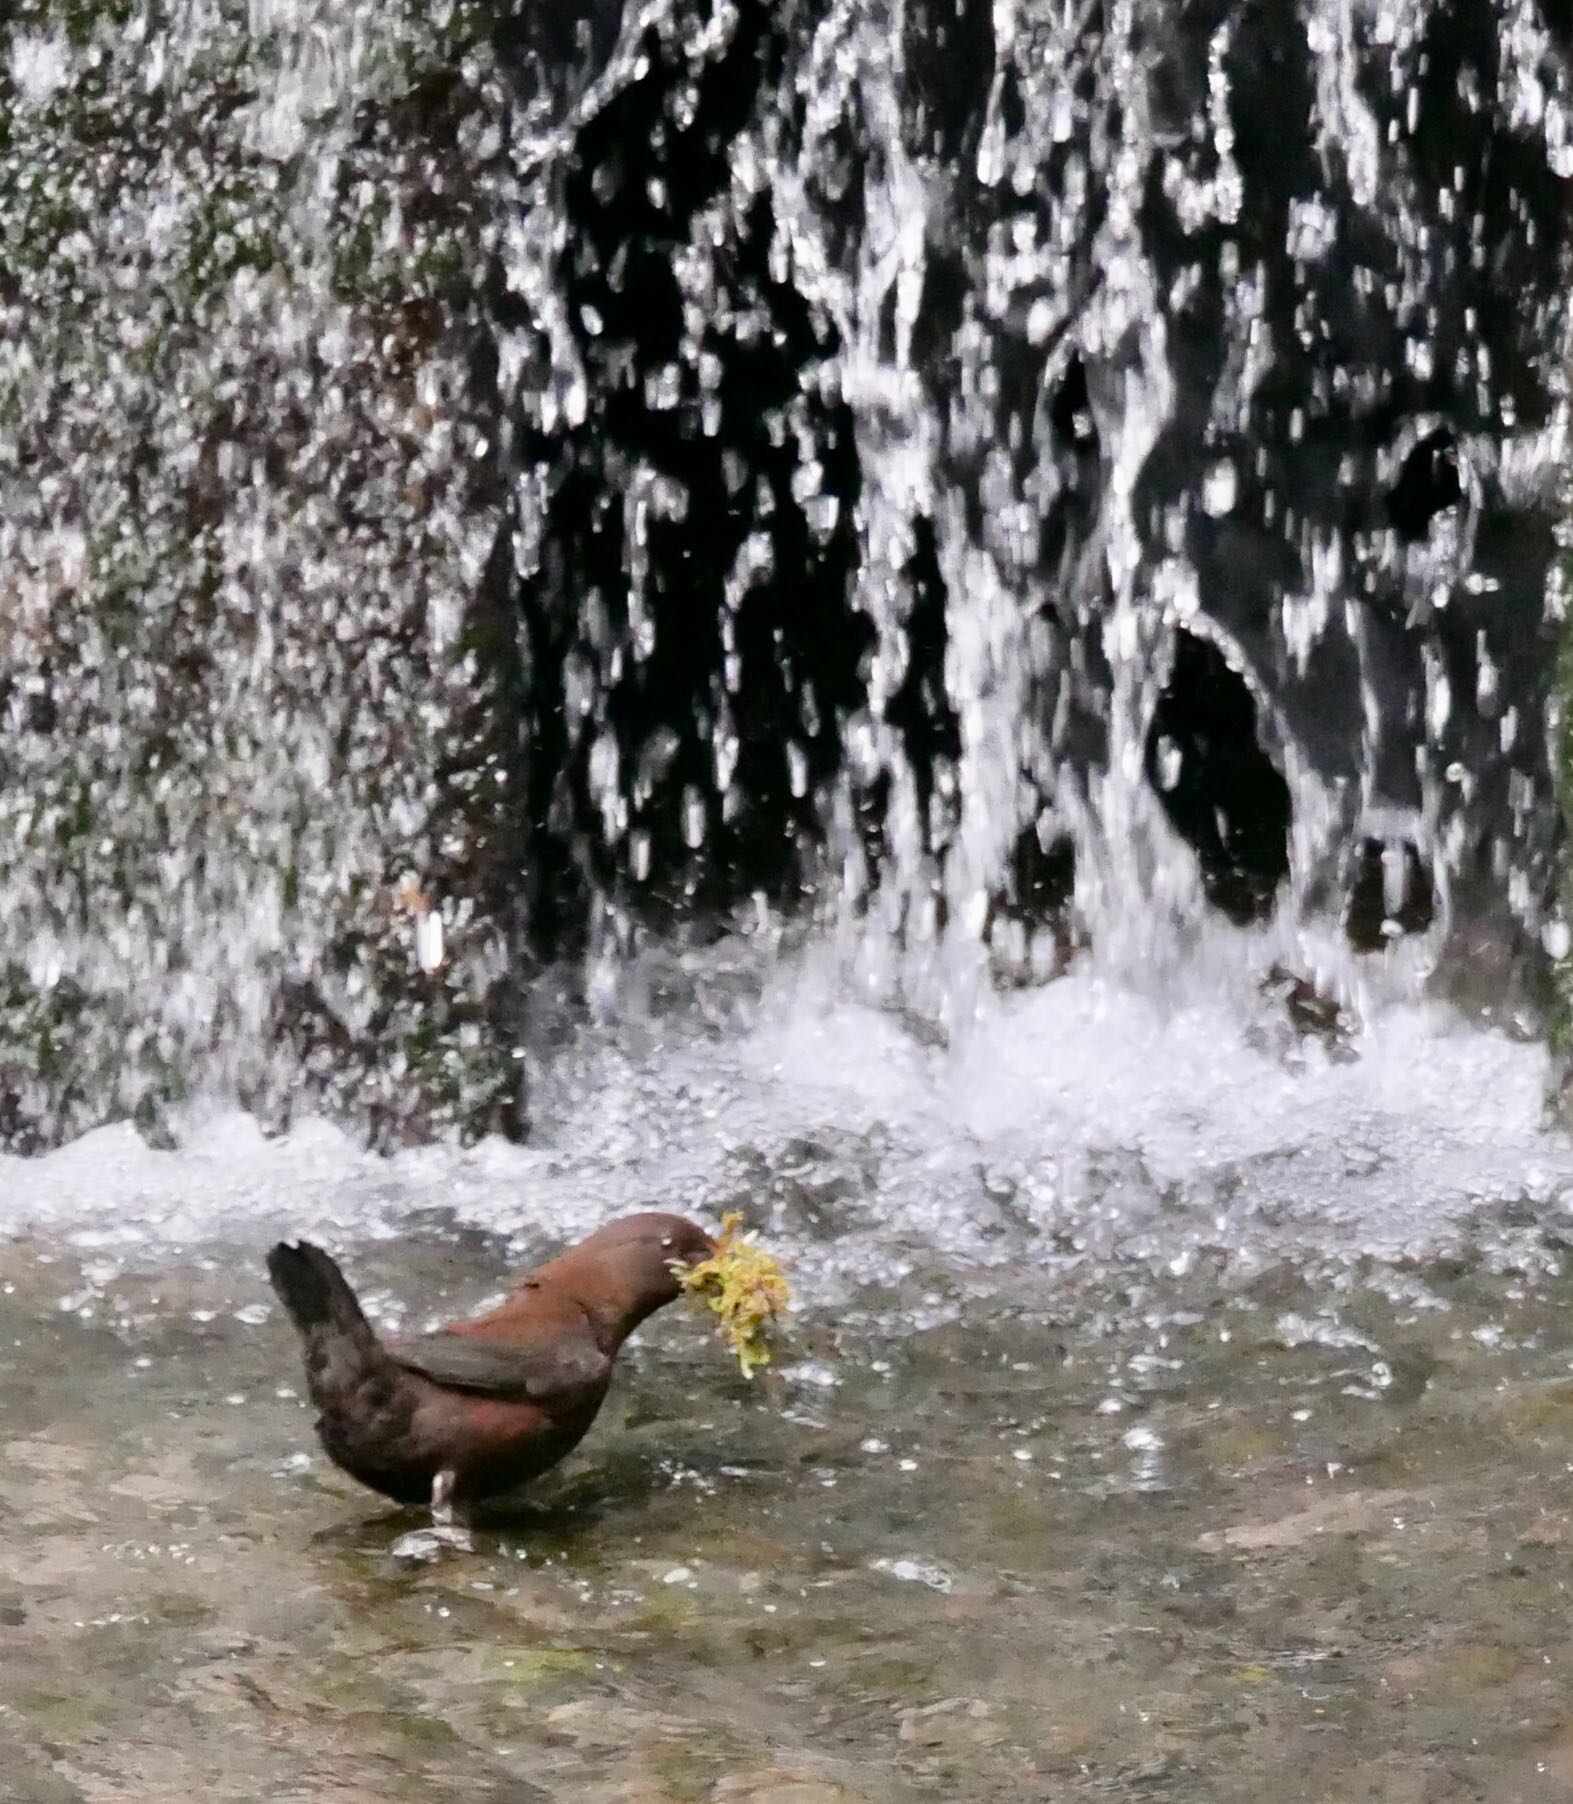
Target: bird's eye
666,1240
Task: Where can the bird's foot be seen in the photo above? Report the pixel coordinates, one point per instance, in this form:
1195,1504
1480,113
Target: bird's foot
448,1529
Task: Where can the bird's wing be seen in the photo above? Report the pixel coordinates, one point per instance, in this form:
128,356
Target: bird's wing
559,1371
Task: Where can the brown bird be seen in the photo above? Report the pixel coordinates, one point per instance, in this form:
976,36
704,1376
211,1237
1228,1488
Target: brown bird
488,1404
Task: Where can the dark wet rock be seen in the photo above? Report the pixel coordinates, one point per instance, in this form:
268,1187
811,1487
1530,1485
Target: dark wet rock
1223,794
1310,1013
1391,894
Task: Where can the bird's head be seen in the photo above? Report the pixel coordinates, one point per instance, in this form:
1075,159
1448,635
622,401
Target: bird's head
627,1270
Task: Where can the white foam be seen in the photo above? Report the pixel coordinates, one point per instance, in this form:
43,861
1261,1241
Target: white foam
40,66
1082,1113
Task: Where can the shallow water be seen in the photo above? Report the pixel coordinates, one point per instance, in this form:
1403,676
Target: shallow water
1140,1435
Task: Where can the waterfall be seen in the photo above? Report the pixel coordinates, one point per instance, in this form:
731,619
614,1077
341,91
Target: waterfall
992,483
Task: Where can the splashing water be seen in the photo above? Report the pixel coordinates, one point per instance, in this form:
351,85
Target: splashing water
1025,482
1087,1127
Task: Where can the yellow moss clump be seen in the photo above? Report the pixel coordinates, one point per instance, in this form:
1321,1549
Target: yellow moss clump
744,1286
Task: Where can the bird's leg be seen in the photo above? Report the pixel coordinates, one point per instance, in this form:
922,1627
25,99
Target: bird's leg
448,1524
442,1497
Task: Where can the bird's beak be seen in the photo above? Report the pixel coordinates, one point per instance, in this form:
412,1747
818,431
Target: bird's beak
681,1267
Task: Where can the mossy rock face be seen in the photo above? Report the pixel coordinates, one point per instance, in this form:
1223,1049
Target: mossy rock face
247,508
293,310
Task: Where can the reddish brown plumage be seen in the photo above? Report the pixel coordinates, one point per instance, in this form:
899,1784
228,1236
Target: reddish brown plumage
495,1400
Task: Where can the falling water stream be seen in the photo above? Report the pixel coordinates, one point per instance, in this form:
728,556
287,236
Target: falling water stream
931,622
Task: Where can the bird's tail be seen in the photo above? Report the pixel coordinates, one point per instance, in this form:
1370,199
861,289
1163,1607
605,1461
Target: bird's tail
318,1297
